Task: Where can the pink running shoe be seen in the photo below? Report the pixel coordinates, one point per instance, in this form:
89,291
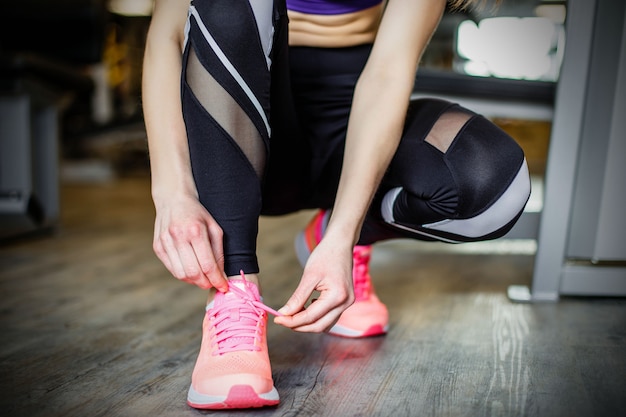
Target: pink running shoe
233,367
368,316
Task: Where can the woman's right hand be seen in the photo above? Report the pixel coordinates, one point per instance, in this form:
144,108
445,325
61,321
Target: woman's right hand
189,243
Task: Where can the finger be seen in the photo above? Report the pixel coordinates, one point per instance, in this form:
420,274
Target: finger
298,299
180,240
210,269
323,324
318,313
321,314
216,275
206,241
191,266
183,264
159,247
161,254
172,258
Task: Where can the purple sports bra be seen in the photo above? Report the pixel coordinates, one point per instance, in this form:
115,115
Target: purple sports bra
330,6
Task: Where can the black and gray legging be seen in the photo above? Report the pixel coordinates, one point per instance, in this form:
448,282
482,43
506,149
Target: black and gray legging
266,125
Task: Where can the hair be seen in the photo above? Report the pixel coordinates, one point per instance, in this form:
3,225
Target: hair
465,4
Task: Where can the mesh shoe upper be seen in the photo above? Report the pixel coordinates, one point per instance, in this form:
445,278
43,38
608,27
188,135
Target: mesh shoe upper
233,352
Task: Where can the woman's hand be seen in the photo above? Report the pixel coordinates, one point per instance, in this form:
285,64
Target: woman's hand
328,271
186,237
189,243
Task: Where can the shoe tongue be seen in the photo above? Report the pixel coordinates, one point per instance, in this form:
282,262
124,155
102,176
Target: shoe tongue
247,286
235,313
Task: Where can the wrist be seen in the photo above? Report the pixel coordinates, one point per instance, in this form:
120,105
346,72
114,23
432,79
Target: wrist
163,193
343,233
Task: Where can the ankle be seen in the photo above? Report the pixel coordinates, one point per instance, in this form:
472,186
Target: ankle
253,278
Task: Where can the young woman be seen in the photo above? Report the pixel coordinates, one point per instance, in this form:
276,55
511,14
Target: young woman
247,115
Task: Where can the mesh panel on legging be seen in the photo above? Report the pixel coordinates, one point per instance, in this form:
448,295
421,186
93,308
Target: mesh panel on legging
434,197
226,112
447,126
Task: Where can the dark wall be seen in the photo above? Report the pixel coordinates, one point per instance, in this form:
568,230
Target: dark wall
67,30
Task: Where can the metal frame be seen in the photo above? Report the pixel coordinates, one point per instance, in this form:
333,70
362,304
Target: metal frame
555,274
29,185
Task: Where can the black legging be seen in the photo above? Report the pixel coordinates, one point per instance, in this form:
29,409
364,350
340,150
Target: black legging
473,190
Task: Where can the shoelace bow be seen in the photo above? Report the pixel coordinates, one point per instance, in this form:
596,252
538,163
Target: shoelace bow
237,321
360,272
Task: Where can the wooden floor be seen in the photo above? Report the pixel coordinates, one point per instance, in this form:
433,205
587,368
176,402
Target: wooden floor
92,325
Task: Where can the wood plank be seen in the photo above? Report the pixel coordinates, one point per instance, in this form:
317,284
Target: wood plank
92,324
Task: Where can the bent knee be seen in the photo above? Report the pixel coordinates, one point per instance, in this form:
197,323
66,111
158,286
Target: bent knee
496,220
492,222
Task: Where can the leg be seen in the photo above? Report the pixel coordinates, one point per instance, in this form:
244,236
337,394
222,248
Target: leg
225,94
456,177
323,82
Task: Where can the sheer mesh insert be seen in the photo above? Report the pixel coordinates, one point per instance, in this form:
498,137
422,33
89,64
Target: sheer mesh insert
446,128
226,112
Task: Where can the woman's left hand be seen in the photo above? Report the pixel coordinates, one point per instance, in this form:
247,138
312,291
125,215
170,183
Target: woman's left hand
328,271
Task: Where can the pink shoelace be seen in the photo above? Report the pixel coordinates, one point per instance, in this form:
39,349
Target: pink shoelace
360,272
238,319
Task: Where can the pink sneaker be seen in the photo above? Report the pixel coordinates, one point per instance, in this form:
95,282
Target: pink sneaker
233,367
368,316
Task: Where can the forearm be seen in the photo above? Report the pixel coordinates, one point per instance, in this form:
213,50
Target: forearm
374,131
379,109
167,139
